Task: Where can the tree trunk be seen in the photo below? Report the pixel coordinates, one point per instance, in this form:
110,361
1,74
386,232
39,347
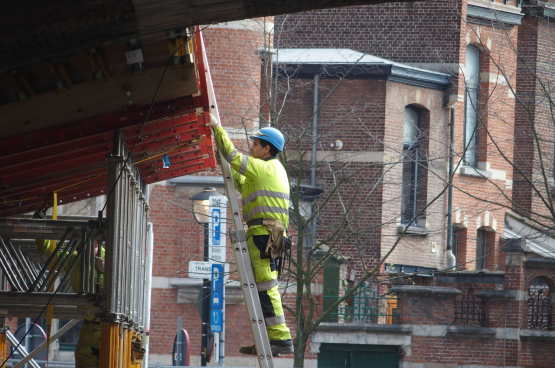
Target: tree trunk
300,347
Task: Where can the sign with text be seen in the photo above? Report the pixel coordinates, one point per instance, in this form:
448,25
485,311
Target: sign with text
216,320
200,270
217,298
203,270
217,228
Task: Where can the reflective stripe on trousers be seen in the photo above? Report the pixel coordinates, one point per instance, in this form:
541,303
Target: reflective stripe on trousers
270,299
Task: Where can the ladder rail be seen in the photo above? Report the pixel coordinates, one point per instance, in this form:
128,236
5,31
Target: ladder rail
238,241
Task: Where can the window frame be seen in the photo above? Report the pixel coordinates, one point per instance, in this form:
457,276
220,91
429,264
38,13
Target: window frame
481,245
410,152
471,107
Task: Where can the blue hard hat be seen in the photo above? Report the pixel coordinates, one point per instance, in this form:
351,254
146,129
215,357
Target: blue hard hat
271,135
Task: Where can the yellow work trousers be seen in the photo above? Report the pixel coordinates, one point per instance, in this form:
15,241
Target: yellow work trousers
88,346
265,274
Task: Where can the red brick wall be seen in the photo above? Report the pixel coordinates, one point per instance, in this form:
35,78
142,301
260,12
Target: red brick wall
432,310
533,118
235,67
415,250
416,32
483,200
434,32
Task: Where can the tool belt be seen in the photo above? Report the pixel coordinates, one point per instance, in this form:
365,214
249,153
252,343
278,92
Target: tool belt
279,246
137,349
274,248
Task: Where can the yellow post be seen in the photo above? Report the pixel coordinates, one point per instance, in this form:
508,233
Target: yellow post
126,358
109,345
50,308
121,347
3,353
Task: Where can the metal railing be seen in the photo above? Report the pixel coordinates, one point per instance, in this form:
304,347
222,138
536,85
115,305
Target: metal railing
540,308
469,309
362,307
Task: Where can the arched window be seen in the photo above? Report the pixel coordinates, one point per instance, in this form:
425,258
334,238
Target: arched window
472,86
411,146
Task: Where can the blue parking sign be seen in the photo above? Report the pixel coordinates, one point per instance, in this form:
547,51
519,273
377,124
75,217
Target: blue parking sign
216,226
216,320
217,297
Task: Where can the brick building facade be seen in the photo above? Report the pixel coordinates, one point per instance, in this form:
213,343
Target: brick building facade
471,44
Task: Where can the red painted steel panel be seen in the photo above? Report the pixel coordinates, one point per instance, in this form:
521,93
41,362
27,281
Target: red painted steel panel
73,156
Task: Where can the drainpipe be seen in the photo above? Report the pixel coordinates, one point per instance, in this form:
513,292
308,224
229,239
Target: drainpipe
312,225
450,258
314,130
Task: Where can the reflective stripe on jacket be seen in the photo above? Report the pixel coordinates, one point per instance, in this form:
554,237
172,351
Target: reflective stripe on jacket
263,184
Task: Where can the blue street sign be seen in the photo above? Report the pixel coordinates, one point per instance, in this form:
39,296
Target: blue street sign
217,297
216,226
216,320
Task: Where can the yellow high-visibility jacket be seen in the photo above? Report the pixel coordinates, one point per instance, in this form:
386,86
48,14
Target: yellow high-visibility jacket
263,184
43,247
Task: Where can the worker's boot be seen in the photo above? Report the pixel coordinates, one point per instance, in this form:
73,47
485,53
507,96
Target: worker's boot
278,348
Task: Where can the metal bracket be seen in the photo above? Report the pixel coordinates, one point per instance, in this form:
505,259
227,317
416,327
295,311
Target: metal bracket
237,236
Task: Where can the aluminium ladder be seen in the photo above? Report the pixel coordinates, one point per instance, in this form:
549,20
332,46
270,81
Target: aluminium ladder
238,241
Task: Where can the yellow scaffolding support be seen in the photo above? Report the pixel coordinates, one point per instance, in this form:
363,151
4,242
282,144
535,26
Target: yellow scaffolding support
3,347
109,344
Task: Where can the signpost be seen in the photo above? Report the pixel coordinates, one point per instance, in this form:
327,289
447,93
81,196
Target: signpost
217,310
217,228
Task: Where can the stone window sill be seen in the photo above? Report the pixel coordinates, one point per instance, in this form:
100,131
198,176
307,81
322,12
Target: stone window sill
543,335
412,230
481,332
472,171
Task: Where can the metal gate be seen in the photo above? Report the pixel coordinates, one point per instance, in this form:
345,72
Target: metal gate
358,356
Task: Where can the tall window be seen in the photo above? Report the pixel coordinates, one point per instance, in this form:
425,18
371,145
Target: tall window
472,83
309,230
455,245
409,194
481,250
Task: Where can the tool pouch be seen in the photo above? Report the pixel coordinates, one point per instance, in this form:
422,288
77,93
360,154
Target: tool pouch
274,248
137,349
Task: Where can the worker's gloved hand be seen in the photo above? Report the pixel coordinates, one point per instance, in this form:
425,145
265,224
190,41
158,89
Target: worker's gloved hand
99,264
41,212
214,121
218,158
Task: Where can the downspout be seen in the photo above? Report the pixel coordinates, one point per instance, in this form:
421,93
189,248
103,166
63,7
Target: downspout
312,226
450,258
314,129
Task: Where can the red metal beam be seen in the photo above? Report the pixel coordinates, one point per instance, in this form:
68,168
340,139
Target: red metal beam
71,158
53,137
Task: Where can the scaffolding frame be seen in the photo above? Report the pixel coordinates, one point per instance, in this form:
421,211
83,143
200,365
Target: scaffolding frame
26,285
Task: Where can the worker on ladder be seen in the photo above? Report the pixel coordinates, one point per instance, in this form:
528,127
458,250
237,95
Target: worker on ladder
263,183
